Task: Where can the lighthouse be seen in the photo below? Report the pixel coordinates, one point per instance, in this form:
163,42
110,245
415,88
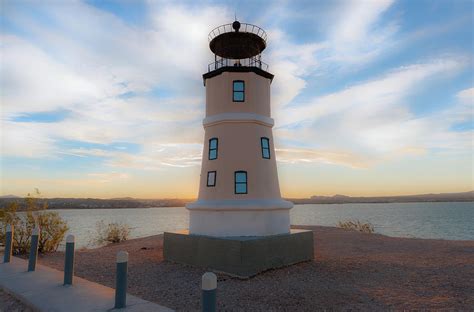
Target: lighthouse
239,223
239,193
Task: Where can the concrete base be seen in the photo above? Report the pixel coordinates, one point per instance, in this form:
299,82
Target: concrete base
239,256
242,217
239,223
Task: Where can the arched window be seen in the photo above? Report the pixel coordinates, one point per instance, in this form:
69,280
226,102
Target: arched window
240,182
211,178
213,148
265,142
238,91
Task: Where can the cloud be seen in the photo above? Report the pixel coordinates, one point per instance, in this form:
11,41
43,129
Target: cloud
353,37
372,98
290,63
32,81
26,140
373,120
359,18
158,156
86,68
466,95
301,155
358,35
108,176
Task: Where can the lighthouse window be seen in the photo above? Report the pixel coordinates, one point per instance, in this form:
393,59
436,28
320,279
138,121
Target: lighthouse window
211,178
265,147
241,182
238,91
213,148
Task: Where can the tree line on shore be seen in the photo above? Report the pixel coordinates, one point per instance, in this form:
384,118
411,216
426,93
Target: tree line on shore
116,203
95,203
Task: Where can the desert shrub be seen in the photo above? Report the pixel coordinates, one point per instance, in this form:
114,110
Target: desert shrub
8,216
356,225
52,226
113,232
52,230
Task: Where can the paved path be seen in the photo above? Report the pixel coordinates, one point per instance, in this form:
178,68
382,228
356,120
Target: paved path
42,290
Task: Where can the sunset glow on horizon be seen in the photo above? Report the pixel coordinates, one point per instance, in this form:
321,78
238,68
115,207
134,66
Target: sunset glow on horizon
105,99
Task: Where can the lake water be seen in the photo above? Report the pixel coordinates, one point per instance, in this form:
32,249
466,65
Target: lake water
453,221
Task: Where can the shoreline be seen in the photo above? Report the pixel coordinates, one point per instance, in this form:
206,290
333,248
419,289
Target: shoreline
144,204
296,204
351,270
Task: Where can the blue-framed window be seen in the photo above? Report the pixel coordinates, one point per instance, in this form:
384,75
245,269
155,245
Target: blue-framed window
240,182
213,148
265,142
211,178
238,91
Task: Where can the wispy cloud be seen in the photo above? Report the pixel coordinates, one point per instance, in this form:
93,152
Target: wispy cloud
466,96
301,155
355,36
359,34
106,177
158,156
85,68
373,120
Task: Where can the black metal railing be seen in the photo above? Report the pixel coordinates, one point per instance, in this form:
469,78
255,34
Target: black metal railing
248,62
244,27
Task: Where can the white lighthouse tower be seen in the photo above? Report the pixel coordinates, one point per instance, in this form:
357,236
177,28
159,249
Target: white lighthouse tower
239,223
239,193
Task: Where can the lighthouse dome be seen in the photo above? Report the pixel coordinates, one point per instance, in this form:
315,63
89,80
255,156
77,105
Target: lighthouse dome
237,40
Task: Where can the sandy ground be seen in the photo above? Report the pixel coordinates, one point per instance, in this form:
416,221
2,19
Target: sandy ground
11,304
351,270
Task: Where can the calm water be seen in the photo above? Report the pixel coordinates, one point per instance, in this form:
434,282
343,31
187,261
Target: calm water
422,220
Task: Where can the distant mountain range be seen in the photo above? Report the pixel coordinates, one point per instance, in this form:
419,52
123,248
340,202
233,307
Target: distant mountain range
342,199
9,196
129,202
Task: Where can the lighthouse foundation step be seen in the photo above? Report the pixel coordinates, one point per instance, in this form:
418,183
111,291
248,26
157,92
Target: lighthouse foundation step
239,256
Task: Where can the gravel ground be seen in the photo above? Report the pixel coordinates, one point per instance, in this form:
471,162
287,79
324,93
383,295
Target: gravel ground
11,304
351,271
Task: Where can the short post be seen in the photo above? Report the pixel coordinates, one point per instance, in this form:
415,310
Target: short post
8,244
69,260
209,292
121,280
33,249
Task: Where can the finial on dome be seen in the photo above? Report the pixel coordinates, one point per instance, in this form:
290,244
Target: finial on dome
236,25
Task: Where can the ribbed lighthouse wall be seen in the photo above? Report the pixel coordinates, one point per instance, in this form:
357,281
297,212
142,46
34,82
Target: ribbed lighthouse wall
239,128
239,149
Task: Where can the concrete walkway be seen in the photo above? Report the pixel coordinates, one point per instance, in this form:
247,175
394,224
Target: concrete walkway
42,290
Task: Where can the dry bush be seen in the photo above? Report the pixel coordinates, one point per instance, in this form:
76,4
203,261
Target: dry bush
7,216
111,233
52,226
356,225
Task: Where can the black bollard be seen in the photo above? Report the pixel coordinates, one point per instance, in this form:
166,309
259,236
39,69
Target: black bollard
8,244
69,260
209,292
121,280
33,249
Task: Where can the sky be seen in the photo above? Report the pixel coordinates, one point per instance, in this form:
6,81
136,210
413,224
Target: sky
106,99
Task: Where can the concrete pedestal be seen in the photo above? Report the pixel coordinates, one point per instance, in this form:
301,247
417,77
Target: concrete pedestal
239,256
